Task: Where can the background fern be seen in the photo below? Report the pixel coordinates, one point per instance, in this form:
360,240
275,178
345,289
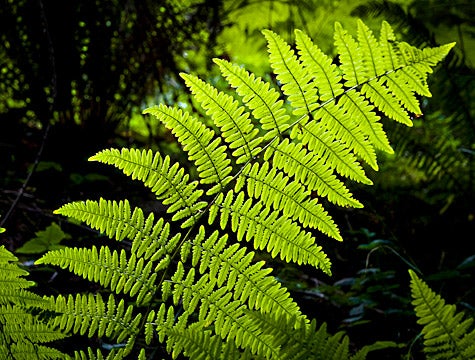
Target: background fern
195,288
447,335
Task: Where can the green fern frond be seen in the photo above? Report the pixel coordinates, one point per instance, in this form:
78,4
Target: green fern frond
259,96
311,171
22,330
232,119
276,190
11,275
150,239
278,235
446,334
296,82
168,182
233,269
112,218
203,147
193,341
207,296
21,297
114,354
28,351
219,310
20,326
91,315
112,269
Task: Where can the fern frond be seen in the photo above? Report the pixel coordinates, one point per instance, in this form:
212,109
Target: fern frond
278,235
194,341
232,119
296,82
20,326
259,96
28,351
21,297
219,310
112,218
150,239
168,182
311,171
446,334
203,147
22,330
11,275
114,354
90,315
333,123
112,269
276,190
233,268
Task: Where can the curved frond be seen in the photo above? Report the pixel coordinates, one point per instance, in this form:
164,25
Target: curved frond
112,269
278,235
203,148
91,315
446,334
276,190
168,182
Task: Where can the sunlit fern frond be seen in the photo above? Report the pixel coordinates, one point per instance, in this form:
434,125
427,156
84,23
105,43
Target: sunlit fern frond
276,154
168,182
201,144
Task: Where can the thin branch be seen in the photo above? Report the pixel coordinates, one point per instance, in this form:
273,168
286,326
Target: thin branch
47,128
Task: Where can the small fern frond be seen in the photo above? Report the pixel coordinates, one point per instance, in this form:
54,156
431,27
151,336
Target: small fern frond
11,275
226,315
203,148
276,190
112,269
115,219
232,119
259,96
278,235
194,341
446,334
168,182
203,345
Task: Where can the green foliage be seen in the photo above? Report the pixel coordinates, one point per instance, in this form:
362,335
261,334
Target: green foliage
48,239
22,329
269,163
447,335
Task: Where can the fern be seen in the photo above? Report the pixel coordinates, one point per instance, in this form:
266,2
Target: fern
447,335
22,329
274,160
